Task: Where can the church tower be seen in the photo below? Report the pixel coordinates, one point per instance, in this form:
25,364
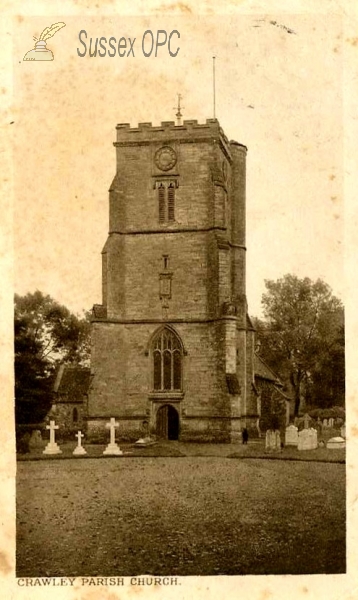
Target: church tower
172,345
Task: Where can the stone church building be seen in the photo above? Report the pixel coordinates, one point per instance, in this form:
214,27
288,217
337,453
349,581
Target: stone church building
172,343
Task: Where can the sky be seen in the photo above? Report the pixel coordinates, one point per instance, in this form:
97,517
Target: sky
278,91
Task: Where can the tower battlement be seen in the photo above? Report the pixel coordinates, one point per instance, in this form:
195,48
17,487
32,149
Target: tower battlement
187,123
169,130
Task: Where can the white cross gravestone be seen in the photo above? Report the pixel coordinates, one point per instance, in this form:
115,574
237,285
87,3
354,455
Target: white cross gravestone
79,450
52,447
112,447
291,436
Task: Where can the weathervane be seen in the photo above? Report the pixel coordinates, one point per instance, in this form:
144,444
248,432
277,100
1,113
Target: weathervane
178,108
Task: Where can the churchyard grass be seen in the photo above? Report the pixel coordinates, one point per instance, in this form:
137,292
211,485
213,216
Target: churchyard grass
184,515
255,449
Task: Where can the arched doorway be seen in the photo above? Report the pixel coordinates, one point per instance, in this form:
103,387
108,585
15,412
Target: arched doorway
167,422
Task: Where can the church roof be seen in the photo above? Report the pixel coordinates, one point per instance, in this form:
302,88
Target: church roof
249,324
72,382
285,396
263,371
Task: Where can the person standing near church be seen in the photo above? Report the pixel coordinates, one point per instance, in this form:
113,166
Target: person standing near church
245,436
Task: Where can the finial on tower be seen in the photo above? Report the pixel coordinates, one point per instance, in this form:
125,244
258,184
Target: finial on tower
178,109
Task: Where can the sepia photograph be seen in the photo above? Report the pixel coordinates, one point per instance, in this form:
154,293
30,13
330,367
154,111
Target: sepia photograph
179,299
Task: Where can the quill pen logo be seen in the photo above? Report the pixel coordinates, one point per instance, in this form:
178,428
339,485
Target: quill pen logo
40,52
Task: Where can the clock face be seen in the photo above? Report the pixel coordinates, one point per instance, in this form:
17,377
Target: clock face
165,158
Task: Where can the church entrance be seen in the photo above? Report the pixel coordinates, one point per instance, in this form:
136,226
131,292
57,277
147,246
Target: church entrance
167,422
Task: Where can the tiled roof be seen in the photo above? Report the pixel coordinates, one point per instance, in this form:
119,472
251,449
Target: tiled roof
285,396
72,382
263,370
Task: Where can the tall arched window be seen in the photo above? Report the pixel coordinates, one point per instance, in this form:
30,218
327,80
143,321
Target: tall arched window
75,415
167,362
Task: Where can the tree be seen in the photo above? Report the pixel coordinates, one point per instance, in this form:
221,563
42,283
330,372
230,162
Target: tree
46,333
302,332
327,380
60,334
32,377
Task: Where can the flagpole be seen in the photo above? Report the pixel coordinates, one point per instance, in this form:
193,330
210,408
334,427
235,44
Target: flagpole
214,99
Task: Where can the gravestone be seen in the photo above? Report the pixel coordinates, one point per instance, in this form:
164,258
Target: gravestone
112,448
146,441
35,440
52,447
325,422
79,450
336,442
306,421
272,441
343,431
314,438
278,441
141,442
291,436
331,422
307,439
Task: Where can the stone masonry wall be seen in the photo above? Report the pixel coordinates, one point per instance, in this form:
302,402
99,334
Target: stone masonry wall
122,385
62,413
